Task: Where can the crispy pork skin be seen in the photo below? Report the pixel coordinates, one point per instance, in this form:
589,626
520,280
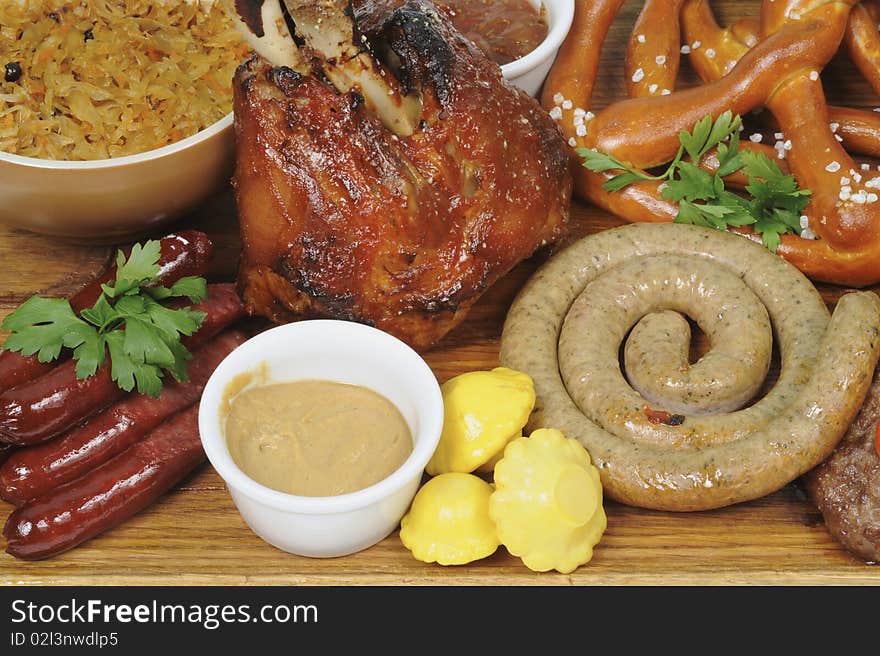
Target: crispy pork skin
344,217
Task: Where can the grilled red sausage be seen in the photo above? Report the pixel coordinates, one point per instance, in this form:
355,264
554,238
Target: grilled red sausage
108,495
5,452
37,470
185,253
41,409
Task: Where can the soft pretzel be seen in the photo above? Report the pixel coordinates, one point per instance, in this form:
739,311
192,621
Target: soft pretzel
773,62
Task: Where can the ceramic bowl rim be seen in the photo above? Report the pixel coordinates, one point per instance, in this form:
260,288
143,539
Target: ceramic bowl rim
430,412
127,160
558,30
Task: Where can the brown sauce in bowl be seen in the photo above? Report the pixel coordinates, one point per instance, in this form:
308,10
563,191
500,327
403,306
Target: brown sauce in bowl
503,29
315,437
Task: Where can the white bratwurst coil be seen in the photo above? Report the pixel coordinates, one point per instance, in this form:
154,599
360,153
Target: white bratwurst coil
673,435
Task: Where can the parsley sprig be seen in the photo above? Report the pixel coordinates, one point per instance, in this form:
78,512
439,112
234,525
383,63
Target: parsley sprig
773,207
129,321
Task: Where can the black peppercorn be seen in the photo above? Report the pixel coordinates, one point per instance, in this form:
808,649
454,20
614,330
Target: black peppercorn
89,34
13,72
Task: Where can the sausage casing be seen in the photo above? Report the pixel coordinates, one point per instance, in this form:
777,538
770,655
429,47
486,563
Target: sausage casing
37,470
653,458
37,411
108,495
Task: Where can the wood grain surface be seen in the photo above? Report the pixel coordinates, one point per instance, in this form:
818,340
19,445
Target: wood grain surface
194,535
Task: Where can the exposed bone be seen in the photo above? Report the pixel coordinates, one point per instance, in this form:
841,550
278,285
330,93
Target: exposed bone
328,30
276,45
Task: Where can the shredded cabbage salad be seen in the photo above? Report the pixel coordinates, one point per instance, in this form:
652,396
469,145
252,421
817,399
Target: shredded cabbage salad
94,79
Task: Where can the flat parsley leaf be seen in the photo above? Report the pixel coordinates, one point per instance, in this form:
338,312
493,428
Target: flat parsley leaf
773,208
141,268
128,372
128,321
194,288
44,326
90,355
693,184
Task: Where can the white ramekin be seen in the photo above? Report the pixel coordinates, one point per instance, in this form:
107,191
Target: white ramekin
529,71
345,352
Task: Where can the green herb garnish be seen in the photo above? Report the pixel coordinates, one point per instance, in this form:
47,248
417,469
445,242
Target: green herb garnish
128,320
773,207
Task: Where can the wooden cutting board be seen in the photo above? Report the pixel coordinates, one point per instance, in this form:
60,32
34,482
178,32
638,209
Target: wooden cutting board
194,535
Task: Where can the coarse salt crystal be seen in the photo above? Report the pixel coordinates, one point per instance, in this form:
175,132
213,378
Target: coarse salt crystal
567,104
834,126
866,167
838,137
806,233
696,44
844,181
805,222
589,116
833,167
660,59
572,142
579,112
556,113
843,195
872,197
640,38
778,135
757,137
639,75
814,75
685,49
857,177
652,88
581,130
665,92
787,144
710,53
558,98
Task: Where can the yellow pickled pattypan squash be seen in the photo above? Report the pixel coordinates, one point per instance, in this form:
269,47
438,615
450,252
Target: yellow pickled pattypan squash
483,411
448,521
547,504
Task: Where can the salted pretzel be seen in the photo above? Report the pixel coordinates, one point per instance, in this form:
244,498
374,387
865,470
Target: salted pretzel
771,62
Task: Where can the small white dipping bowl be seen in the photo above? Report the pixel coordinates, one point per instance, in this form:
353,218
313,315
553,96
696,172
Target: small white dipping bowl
529,71
344,352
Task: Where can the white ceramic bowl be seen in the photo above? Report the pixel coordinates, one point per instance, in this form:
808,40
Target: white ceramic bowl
529,71
109,200
345,352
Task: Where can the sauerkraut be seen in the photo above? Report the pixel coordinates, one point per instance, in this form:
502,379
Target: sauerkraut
95,79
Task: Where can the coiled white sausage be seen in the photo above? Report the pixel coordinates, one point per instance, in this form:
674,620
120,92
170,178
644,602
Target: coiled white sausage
566,327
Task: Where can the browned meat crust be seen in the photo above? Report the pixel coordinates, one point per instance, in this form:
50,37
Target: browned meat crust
341,218
846,487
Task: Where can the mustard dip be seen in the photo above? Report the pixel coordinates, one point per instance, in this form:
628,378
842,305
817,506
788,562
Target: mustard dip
316,437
